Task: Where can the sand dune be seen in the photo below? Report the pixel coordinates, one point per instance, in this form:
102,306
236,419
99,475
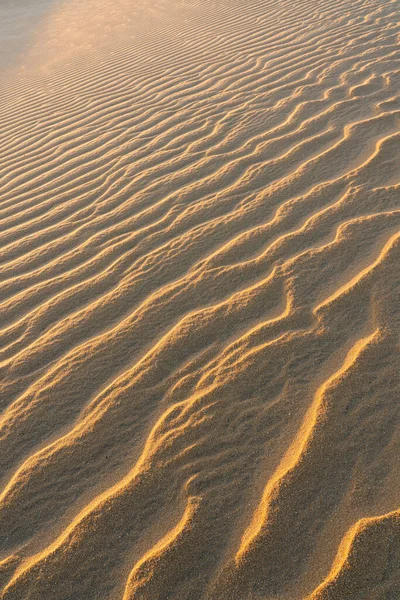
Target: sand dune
200,282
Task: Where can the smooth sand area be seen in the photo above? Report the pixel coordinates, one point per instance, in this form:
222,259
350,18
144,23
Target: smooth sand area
200,300
19,22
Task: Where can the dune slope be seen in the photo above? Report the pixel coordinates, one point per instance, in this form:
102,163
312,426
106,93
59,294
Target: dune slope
200,282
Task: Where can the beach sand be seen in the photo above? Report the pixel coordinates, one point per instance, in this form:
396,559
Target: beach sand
199,300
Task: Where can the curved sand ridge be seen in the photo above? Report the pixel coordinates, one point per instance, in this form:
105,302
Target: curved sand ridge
200,267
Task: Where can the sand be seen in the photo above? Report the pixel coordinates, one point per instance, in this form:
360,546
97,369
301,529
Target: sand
199,300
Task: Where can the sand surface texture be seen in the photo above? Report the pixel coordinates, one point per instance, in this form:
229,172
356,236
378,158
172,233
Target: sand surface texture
199,301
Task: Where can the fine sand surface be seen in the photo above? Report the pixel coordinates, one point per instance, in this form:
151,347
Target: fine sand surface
200,300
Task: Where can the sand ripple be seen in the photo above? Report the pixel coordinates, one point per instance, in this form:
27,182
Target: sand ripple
199,325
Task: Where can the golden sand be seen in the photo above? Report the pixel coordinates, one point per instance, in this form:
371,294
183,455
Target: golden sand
199,300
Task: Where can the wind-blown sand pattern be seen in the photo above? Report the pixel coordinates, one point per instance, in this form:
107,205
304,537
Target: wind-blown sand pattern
199,304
